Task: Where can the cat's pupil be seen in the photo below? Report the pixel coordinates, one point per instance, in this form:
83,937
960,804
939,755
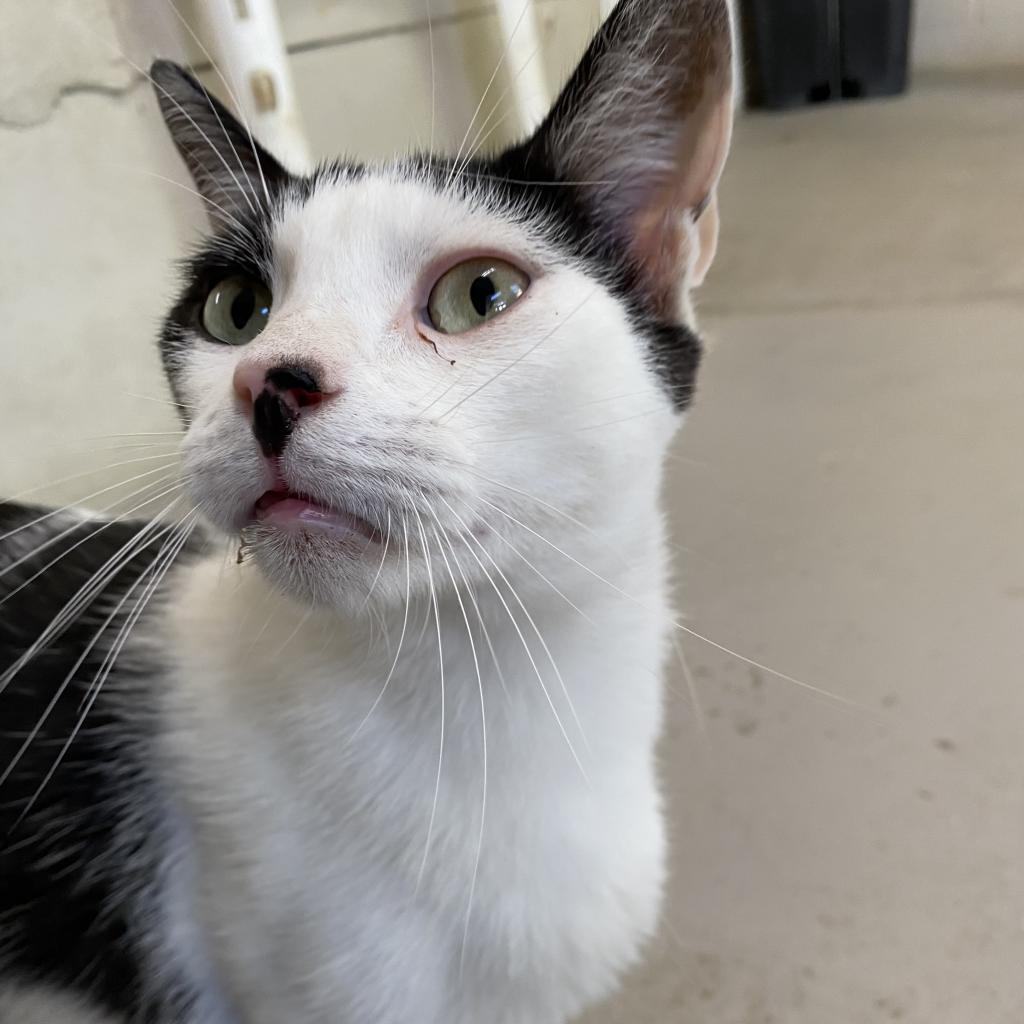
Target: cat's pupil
242,307
482,293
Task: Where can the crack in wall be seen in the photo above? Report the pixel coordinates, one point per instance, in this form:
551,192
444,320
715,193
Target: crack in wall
116,92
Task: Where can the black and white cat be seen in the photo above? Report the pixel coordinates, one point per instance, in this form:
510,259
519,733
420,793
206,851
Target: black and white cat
397,765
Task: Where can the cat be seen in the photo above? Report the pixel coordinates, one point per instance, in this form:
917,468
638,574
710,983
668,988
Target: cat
393,761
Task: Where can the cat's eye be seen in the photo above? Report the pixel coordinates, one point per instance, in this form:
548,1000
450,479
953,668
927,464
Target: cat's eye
474,292
236,310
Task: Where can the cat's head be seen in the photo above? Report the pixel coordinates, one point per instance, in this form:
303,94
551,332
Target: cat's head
445,352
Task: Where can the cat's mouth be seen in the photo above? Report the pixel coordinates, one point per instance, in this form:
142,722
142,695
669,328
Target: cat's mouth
288,510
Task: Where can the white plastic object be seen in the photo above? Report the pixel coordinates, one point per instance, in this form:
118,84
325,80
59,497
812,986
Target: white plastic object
246,40
525,60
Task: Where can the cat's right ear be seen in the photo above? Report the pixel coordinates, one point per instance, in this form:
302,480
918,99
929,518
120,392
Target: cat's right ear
233,174
641,132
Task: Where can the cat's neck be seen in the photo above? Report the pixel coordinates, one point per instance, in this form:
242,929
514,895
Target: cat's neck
528,624
310,745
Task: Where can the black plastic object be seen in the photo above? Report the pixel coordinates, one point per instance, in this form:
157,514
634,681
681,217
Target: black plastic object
816,51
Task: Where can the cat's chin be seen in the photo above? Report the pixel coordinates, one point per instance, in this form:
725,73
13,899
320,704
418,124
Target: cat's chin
313,574
314,556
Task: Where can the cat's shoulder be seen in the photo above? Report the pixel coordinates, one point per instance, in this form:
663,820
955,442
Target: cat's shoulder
71,563
43,551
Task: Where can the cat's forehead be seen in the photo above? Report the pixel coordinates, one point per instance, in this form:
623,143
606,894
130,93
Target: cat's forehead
396,222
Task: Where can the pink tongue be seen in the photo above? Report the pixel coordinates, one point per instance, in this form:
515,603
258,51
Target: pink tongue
289,511
272,498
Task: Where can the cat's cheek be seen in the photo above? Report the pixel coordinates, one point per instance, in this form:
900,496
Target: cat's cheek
222,472
203,379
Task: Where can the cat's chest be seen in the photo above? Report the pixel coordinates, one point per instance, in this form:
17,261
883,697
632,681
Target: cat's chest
342,840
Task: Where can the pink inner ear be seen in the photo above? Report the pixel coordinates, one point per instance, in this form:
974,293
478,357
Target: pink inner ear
659,237
659,246
707,235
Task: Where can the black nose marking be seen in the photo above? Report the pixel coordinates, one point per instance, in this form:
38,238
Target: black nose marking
293,378
288,392
272,422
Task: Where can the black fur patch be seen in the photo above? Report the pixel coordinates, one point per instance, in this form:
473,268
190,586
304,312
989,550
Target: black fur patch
80,856
530,186
246,250
246,253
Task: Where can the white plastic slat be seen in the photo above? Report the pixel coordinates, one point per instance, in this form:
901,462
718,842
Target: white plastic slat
246,40
524,60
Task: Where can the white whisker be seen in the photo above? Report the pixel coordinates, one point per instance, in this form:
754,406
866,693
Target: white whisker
686,629
533,625
526,648
206,138
80,600
238,107
153,398
67,531
83,473
61,689
383,559
691,687
433,77
104,671
89,536
440,656
479,614
515,362
483,732
88,497
478,142
487,89
228,216
401,639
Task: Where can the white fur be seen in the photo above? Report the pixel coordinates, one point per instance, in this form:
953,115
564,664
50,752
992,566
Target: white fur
310,820
31,1005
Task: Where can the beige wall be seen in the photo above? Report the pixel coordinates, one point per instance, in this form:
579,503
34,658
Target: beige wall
88,235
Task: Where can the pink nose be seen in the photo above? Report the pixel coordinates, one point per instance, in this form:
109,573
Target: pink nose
295,385
274,401
248,382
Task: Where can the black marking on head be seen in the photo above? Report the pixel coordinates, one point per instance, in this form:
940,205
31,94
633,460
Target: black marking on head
222,256
234,174
243,248
528,191
560,213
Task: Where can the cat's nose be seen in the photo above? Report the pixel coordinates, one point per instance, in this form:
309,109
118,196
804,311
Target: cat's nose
275,399
297,385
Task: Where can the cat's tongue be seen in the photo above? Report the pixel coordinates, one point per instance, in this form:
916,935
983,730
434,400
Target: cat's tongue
289,511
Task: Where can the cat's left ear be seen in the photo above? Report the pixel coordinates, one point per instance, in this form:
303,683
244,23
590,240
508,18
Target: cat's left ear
233,174
642,130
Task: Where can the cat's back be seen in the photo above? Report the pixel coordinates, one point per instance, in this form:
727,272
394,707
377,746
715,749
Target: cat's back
80,811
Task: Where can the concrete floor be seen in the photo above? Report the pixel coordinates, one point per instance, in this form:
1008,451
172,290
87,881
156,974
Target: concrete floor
851,492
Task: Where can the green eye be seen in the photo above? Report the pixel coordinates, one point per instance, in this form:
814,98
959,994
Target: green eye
237,310
473,292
